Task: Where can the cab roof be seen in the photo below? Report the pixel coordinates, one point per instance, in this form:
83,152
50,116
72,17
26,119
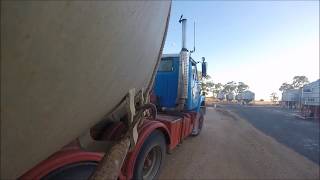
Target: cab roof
177,55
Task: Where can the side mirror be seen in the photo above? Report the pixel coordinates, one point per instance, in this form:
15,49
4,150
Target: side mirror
204,67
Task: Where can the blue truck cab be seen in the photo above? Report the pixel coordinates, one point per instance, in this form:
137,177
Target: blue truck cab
167,80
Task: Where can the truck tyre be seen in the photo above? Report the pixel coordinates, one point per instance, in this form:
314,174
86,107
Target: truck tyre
151,157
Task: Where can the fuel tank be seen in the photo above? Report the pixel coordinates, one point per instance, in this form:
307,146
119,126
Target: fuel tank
65,64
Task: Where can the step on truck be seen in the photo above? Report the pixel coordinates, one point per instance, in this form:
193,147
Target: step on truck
86,92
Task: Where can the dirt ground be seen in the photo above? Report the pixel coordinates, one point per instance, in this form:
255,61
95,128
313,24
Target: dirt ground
231,148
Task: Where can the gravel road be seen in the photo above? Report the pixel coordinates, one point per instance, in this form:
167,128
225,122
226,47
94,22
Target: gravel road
231,148
300,135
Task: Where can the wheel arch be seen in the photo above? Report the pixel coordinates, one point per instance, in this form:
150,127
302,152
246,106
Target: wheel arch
67,157
61,159
146,130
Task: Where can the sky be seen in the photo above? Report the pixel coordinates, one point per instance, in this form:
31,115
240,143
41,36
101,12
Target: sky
261,43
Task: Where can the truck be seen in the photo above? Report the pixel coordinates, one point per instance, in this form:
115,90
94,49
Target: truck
291,98
86,92
230,96
245,97
310,99
221,96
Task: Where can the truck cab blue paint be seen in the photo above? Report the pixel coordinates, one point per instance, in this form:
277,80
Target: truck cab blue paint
166,84
193,86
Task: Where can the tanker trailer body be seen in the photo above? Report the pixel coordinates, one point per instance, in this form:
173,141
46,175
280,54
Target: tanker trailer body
247,96
230,96
75,87
67,64
221,96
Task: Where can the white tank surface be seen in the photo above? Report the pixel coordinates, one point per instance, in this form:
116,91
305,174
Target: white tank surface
291,95
66,64
230,96
311,94
247,96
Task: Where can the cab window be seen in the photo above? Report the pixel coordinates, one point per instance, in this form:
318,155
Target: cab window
194,72
166,65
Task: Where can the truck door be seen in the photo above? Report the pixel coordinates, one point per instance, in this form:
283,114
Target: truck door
166,83
195,86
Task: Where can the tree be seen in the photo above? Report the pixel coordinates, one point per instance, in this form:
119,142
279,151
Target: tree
208,77
285,86
229,87
241,87
274,97
299,81
217,88
206,83
206,87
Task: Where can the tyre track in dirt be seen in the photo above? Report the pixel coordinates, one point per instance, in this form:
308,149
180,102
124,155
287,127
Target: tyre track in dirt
231,148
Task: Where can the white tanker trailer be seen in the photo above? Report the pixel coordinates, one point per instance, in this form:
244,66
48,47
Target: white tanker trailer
230,96
221,96
65,65
247,96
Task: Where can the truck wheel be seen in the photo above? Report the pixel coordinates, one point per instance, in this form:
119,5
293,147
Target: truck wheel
151,157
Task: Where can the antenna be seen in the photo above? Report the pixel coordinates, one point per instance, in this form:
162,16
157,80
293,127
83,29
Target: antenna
194,37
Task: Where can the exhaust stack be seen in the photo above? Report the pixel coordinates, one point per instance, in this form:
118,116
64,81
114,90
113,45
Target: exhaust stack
184,69
183,21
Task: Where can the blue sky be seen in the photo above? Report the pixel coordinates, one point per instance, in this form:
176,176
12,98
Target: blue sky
262,43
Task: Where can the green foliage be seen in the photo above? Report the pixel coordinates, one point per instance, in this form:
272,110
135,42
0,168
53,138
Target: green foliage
285,86
229,87
217,88
297,82
235,87
241,87
208,77
207,85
